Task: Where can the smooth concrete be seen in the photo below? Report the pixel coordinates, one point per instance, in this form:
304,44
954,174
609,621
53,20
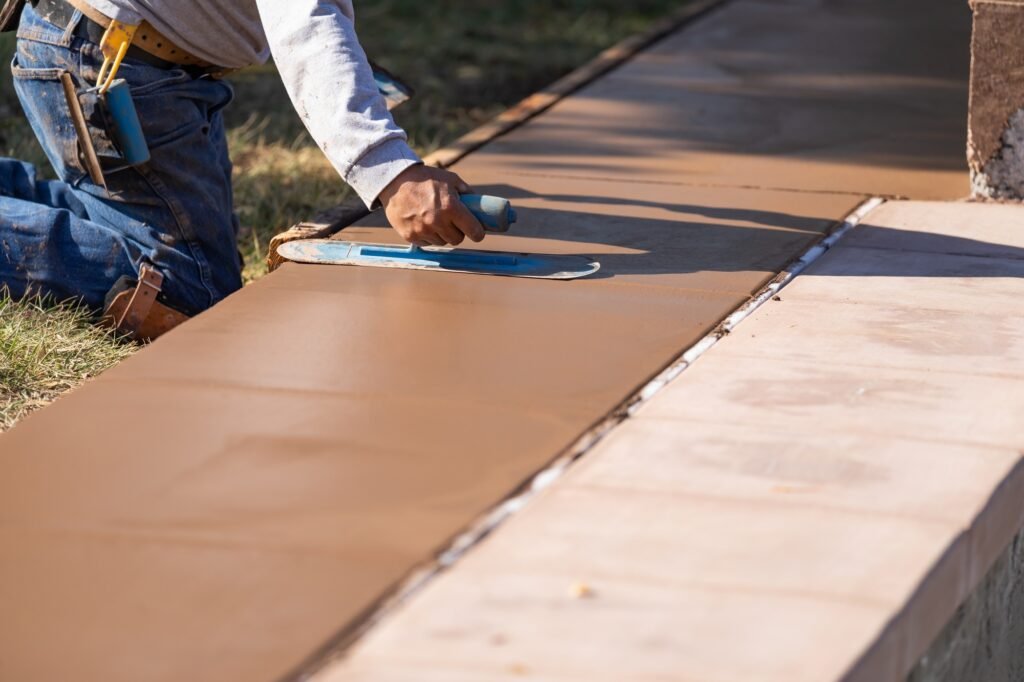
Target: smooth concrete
234,500
336,427
811,500
864,96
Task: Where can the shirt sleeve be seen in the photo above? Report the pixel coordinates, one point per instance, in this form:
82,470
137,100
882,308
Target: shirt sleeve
330,82
125,16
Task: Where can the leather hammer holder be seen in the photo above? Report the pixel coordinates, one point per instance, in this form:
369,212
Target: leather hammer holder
10,15
138,314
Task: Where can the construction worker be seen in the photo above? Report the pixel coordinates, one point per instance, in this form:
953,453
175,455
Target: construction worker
172,216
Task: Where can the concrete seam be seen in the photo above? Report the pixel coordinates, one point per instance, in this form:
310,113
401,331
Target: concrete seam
517,500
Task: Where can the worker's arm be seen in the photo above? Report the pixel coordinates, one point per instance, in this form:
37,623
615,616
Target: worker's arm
332,87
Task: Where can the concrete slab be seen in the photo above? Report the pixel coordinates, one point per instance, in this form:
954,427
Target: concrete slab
302,398
464,322
815,511
907,335
859,472
234,500
635,629
951,280
650,235
868,97
854,395
951,228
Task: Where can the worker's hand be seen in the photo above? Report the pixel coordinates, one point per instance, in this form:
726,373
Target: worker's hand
423,206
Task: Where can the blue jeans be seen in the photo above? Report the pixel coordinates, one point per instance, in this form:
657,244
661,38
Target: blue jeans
72,239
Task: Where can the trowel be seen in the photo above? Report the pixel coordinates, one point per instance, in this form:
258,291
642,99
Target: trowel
494,213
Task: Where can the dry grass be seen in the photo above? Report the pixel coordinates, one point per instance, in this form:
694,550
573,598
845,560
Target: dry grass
46,350
276,185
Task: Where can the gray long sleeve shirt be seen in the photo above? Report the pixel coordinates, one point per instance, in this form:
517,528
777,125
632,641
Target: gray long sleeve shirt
318,55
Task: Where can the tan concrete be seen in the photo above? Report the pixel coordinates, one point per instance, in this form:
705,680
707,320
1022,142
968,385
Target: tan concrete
811,500
650,235
866,96
234,499
337,426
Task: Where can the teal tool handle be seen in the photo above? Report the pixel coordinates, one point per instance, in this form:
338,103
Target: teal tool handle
494,213
127,130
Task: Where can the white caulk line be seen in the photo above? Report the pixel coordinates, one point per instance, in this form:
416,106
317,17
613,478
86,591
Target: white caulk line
487,523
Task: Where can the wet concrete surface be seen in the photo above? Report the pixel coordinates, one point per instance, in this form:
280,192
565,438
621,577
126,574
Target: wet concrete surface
229,500
823,95
331,428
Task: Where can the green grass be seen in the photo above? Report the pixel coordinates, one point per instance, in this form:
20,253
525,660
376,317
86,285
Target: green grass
46,350
468,61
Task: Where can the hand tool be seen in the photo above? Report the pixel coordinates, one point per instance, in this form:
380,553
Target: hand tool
115,95
494,213
438,259
393,90
88,152
126,128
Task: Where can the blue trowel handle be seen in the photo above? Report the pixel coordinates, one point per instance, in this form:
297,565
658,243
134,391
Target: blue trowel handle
127,129
494,213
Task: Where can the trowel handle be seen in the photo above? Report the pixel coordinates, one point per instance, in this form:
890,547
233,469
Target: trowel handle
494,213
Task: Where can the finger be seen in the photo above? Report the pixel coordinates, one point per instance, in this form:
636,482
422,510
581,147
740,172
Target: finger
460,185
432,238
467,223
445,226
447,230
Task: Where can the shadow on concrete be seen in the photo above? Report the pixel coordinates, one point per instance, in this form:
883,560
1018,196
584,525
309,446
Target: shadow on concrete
869,82
699,238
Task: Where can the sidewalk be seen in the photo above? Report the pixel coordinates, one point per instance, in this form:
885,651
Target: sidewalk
238,499
811,500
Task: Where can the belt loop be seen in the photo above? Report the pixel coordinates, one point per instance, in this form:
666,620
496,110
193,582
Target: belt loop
71,27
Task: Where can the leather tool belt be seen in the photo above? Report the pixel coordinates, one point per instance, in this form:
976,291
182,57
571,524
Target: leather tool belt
137,311
149,46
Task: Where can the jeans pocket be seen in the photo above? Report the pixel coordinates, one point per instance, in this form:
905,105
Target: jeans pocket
160,97
167,79
42,97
